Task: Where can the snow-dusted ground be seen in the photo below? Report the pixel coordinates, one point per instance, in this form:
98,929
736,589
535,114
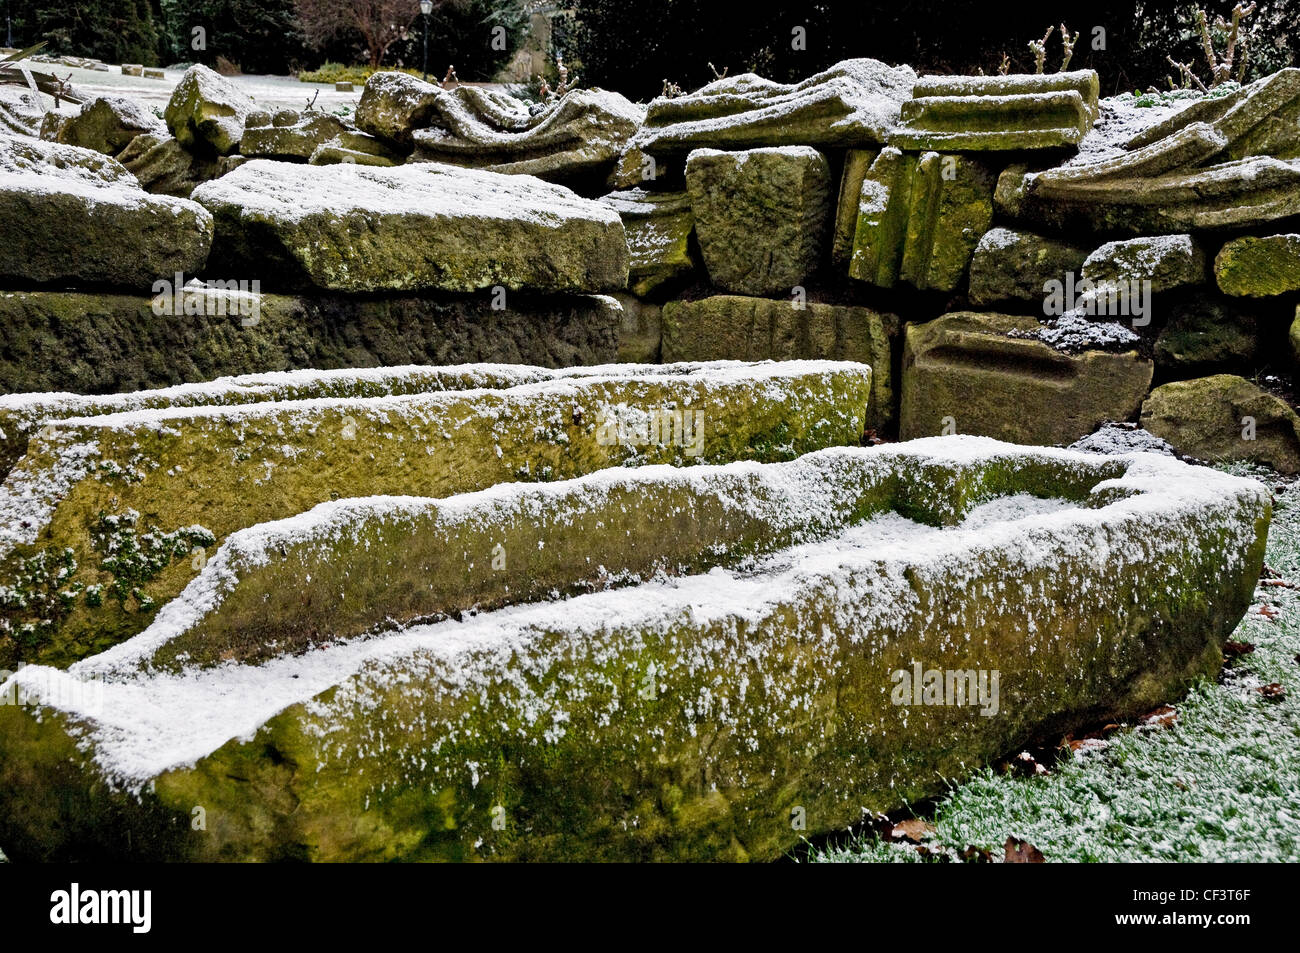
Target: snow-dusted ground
269,92
1221,783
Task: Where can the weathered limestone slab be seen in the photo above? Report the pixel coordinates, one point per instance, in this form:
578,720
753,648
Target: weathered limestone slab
962,373
583,132
1229,162
199,474
289,134
164,167
1261,118
393,105
1167,261
762,216
1244,193
71,214
852,104
107,124
920,219
22,415
1254,267
1018,112
1010,265
356,147
857,163
21,111
105,343
686,718
658,227
641,330
1225,417
424,227
1204,333
730,327
207,112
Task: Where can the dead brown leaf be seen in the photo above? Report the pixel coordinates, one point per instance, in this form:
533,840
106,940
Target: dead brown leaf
913,829
1162,717
1017,851
1273,692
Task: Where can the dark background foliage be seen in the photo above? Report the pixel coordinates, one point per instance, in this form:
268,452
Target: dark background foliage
634,45
635,54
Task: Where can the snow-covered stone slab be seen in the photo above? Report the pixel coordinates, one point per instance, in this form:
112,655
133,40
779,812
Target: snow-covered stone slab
1228,162
585,131
984,373
1013,265
72,214
289,134
1262,118
418,227
1244,193
21,415
107,517
105,124
854,103
21,111
998,113
928,607
207,112
1166,261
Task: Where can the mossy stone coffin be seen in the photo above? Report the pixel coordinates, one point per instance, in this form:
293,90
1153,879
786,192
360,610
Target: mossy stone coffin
107,517
756,680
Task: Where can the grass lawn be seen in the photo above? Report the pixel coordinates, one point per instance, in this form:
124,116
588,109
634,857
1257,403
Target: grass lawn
1221,782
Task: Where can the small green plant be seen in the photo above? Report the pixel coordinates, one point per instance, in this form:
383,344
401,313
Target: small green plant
134,558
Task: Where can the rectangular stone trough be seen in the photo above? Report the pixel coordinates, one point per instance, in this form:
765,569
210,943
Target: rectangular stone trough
107,517
847,632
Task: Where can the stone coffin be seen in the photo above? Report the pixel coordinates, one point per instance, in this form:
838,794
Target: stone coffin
106,517
757,691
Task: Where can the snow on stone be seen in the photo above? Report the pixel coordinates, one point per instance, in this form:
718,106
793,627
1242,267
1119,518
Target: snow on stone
139,726
288,192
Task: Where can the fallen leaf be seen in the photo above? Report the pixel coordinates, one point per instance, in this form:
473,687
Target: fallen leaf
1273,692
976,855
913,829
1089,744
1237,649
1162,717
1268,612
1017,851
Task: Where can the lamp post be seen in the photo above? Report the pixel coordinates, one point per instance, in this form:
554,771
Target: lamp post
426,7
9,27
